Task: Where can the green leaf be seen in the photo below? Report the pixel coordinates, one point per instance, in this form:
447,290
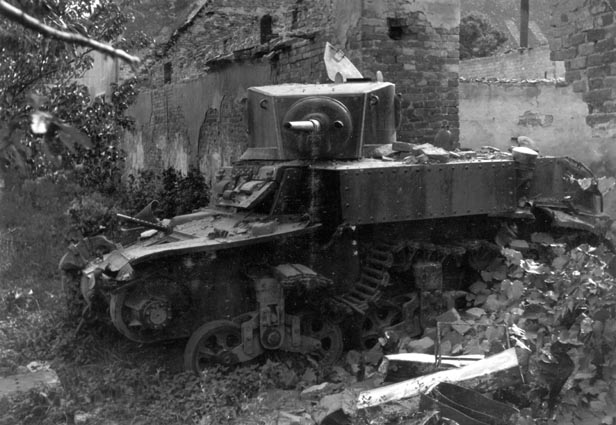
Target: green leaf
49,154
70,137
36,100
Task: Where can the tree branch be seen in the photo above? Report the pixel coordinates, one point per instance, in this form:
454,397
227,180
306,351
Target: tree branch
22,18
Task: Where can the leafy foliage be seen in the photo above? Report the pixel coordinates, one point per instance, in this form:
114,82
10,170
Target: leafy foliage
478,38
557,297
95,213
42,110
549,293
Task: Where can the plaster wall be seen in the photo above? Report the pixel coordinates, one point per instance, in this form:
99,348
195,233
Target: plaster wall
526,64
554,116
101,76
190,124
192,113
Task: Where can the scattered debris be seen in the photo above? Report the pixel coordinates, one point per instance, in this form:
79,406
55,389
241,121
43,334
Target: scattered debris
485,371
467,407
34,375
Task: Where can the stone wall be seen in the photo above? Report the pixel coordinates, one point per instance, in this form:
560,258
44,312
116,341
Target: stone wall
523,64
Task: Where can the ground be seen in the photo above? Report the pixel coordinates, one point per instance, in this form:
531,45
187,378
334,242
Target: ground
105,379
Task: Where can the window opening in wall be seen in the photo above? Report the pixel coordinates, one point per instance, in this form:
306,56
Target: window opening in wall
167,72
266,28
396,28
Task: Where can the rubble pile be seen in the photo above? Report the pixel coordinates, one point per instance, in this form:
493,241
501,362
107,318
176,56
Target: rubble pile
537,331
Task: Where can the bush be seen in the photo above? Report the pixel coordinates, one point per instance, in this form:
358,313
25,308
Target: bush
176,193
478,38
38,218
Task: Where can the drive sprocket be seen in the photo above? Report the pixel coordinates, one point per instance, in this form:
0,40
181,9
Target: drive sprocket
151,310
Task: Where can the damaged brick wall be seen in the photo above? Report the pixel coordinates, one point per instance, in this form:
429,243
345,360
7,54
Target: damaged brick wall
227,31
524,64
416,45
550,113
583,37
192,112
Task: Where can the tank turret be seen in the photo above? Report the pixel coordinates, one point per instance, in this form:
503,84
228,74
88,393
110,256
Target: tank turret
320,121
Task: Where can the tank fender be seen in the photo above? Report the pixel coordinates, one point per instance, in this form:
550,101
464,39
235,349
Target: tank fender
185,218
78,255
597,225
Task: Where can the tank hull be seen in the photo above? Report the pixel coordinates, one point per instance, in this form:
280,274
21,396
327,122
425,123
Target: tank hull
326,224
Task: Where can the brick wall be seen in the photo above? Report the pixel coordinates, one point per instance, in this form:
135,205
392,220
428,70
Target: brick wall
492,112
223,31
416,45
583,38
525,64
191,111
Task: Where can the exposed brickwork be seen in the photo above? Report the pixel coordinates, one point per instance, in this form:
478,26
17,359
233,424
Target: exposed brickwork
414,43
301,62
234,30
583,38
421,58
524,64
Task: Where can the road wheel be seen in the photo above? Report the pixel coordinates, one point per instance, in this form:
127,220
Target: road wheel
213,342
328,333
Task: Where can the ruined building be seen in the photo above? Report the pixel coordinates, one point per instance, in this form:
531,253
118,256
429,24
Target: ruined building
191,111
584,39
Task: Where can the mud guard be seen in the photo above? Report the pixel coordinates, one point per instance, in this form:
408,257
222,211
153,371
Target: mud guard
78,255
601,226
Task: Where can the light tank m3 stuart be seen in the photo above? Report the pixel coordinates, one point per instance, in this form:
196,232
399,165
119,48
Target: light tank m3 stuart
327,226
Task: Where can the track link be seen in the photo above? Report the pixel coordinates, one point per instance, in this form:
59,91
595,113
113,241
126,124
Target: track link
383,257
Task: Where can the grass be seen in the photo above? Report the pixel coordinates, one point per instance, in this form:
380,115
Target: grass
104,378
108,379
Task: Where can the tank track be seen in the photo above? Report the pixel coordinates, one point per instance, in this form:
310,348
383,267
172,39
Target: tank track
298,275
373,278
384,257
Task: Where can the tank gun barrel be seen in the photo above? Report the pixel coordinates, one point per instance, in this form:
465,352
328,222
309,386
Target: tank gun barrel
311,125
144,223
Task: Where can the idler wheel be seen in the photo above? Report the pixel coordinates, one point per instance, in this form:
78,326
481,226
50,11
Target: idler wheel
123,320
213,342
327,333
151,311
156,314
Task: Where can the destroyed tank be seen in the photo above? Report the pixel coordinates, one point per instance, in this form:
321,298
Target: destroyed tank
327,232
